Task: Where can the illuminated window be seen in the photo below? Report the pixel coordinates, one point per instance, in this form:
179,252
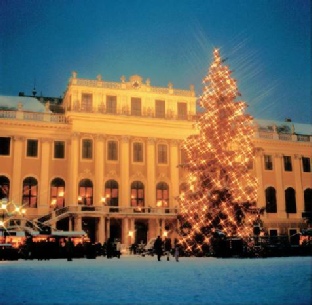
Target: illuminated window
85,195
111,104
306,164
162,194
182,111
162,153
32,148
159,109
4,187
5,146
135,106
86,102
290,200
57,197
308,200
111,193
287,163
86,149
137,194
59,149
137,152
30,192
268,163
270,198
112,150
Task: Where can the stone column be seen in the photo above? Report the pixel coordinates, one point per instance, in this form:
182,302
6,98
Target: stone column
16,188
280,192
151,187
99,170
78,223
124,171
74,157
125,234
299,186
107,227
101,229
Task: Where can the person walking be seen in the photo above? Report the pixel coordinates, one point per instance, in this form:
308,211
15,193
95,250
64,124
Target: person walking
158,247
168,247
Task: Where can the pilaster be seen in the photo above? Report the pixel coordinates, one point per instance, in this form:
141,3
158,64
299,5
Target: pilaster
16,186
124,171
151,187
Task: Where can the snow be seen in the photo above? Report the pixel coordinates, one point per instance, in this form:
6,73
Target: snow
143,280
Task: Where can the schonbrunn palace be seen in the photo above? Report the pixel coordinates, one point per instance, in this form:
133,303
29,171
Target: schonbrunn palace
106,160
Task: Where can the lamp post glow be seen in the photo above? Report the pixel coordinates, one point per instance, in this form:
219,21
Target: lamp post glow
3,208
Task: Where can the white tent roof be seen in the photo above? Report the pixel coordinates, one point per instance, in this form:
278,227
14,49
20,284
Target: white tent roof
304,129
29,103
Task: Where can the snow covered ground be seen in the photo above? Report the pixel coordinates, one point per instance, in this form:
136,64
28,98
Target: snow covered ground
144,280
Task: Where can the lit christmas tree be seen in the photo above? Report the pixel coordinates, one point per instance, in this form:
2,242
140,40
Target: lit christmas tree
221,192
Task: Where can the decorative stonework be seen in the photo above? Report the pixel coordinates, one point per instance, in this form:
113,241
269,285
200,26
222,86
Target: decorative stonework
125,139
86,174
19,138
297,157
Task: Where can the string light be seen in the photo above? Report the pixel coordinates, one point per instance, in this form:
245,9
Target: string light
221,191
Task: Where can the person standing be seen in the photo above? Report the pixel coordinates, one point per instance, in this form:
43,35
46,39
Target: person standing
158,247
118,248
69,249
176,252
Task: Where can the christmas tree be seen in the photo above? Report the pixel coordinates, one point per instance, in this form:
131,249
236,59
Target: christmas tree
221,192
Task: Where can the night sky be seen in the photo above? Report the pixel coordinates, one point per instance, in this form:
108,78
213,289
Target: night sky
267,44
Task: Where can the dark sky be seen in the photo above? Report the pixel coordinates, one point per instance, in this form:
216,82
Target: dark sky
267,44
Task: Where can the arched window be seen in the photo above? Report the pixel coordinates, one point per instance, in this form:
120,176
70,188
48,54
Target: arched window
162,194
270,200
85,195
290,200
30,192
111,193
57,199
4,187
137,194
308,200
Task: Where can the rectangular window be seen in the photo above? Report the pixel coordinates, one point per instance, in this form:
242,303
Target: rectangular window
59,149
306,164
86,102
182,111
112,150
159,109
135,106
86,149
287,163
137,152
5,146
111,104
268,163
32,148
162,153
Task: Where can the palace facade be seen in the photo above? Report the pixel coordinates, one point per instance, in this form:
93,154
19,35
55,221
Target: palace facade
108,165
